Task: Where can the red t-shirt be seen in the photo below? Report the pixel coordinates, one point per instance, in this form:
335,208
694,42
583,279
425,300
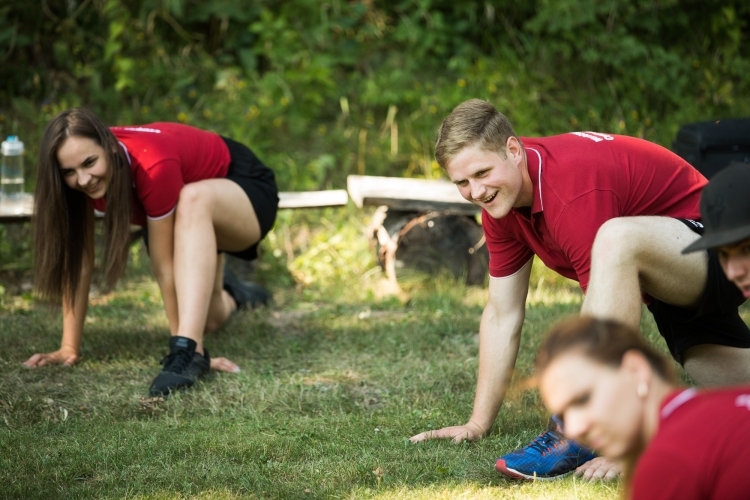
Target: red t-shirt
701,449
163,158
582,180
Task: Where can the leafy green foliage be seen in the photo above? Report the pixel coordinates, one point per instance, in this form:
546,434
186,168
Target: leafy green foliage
325,89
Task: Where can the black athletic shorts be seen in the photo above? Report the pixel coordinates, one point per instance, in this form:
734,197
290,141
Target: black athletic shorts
715,320
259,183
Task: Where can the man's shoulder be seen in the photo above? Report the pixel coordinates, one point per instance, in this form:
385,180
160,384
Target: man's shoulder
586,142
578,162
569,166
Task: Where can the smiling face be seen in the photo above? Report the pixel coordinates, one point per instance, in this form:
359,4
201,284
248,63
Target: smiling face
735,261
495,183
599,404
83,166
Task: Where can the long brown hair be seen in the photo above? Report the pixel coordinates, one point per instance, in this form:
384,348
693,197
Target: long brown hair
606,342
61,214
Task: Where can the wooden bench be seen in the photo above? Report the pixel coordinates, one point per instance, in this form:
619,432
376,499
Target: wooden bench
423,225
409,195
420,224
289,200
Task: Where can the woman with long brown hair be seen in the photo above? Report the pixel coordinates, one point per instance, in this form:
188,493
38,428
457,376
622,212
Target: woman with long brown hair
618,395
195,193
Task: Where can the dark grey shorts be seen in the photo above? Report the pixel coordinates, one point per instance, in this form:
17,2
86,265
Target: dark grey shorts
715,320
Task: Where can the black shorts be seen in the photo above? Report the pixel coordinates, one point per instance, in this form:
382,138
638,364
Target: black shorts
715,320
259,184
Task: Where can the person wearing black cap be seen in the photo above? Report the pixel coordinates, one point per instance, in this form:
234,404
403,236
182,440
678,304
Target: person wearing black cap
725,210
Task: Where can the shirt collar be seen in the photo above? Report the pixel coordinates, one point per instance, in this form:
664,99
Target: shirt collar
127,153
675,400
534,165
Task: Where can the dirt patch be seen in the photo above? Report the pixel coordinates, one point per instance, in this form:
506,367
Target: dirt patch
285,320
368,314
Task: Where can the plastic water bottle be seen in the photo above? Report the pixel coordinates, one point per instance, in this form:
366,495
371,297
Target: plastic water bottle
12,197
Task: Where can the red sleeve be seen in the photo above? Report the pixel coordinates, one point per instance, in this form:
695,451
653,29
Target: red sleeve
158,187
507,254
576,239
666,475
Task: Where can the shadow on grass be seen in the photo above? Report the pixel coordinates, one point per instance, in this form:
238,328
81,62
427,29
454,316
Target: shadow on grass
328,394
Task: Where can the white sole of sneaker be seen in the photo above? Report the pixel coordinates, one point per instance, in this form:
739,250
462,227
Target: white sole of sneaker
512,473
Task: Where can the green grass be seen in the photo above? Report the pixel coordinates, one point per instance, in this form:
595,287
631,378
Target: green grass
336,375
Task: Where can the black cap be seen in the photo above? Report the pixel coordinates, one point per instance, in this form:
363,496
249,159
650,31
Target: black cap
725,208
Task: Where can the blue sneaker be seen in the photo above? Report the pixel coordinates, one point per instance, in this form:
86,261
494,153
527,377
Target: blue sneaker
548,456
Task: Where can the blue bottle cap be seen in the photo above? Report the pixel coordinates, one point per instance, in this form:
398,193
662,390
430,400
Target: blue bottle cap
12,146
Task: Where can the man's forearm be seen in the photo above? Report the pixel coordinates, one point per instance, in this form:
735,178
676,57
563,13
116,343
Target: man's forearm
498,348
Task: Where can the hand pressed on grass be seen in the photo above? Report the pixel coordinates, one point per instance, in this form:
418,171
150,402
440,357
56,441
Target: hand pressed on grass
69,357
62,356
458,433
224,365
600,468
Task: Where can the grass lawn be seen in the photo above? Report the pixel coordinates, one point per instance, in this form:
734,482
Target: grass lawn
336,376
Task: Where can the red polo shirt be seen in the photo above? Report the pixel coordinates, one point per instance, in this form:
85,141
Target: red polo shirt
581,180
163,158
701,450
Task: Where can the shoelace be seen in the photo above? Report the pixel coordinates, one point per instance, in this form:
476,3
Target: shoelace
177,361
544,442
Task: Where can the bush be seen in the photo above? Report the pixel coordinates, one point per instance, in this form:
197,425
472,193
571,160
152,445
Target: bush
322,90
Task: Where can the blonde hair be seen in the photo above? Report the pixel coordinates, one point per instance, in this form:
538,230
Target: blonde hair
472,122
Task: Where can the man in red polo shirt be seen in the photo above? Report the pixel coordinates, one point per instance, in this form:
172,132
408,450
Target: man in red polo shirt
612,212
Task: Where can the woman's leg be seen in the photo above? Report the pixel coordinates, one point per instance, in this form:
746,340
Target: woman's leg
221,304
211,214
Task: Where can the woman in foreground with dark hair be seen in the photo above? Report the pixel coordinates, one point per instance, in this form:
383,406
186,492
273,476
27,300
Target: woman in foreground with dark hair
618,395
196,194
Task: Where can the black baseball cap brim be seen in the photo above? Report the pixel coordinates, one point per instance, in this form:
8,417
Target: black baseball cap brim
725,208
719,240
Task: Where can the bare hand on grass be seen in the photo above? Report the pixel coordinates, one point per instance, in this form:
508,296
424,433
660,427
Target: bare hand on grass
599,468
224,365
458,433
67,357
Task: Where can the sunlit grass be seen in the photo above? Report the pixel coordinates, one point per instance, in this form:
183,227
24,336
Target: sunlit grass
336,375
569,488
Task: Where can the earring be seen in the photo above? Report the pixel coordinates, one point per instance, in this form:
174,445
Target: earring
642,390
